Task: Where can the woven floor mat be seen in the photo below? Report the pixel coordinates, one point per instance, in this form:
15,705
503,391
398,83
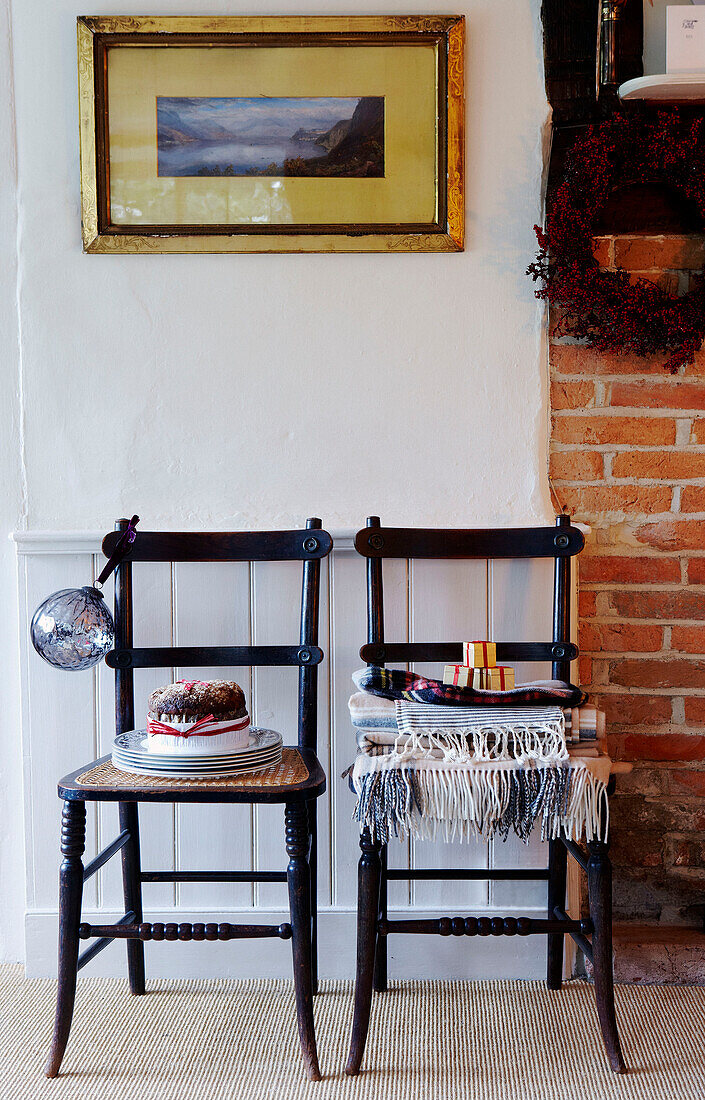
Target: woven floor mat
226,1039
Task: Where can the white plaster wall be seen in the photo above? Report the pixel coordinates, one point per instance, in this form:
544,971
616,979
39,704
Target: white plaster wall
11,516
210,391
247,389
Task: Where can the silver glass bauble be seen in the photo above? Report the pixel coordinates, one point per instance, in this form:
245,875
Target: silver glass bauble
73,629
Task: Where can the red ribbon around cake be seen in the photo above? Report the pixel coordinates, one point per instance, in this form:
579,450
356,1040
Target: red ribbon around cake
200,728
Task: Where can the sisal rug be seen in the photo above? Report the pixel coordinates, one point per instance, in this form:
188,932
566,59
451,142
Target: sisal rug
212,1040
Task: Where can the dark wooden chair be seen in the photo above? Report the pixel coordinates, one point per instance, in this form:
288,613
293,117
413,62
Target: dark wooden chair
296,783
593,935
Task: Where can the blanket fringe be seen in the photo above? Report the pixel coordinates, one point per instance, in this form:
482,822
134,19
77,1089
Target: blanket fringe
467,804
544,743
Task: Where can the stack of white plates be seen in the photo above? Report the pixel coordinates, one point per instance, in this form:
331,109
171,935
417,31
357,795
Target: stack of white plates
131,754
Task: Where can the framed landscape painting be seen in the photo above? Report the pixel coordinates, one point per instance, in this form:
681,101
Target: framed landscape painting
271,134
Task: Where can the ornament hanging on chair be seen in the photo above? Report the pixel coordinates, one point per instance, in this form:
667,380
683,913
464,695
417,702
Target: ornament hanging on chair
73,629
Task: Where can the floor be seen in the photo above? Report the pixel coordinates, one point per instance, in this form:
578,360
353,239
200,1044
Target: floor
187,1040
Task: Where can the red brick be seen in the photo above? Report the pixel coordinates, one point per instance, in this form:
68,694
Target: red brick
572,395
688,639
691,781
658,604
672,252
658,395
636,710
664,746
617,498
670,465
695,710
693,498
663,673
620,638
697,368
601,248
668,281
697,434
584,670
686,852
696,571
577,359
619,569
576,465
633,430
586,604
673,535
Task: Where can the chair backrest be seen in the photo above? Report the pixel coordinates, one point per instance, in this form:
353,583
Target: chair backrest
561,543
307,546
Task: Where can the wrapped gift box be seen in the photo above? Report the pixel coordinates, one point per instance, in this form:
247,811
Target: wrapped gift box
500,678
479,654
462,676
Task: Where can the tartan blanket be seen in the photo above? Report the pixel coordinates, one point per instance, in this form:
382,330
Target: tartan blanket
393,683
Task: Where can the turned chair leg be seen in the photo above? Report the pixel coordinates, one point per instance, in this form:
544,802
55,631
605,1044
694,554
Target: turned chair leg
132,892
73,838
298,841
380,972
557,874
313,869
368,891
600,894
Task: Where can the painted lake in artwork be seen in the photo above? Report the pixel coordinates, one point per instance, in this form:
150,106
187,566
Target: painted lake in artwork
263,136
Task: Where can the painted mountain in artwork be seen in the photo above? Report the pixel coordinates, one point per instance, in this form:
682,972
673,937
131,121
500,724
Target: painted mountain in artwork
222,136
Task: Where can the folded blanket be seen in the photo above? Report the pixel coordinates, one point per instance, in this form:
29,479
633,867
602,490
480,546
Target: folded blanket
476,771
465,801
482,733
371,714
585,724
379,742
393,683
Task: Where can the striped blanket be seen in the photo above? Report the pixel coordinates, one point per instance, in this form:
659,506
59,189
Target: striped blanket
477,771
376,723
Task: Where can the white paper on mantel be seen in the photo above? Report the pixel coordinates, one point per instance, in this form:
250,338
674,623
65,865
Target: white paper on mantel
685,39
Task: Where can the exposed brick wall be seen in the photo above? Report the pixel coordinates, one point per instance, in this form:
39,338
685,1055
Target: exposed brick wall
628,457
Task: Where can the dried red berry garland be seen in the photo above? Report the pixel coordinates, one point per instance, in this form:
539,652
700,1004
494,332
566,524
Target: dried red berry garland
605,308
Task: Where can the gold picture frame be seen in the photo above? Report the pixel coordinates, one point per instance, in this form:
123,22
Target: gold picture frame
150,184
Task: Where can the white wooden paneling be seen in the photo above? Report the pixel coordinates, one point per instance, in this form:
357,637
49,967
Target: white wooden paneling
521,611
109,878
152,594
276,602
349,632
448,603
59,734
69,718
212,607
153,626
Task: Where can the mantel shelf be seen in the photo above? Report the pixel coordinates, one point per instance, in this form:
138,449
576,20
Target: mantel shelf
666,88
